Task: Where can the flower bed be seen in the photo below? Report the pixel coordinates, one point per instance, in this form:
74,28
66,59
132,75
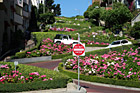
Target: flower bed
116,65
88,42
49,48
28,75
8,75
62,29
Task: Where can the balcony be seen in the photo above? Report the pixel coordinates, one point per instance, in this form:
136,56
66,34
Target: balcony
2,5
26,1
19,3
18,19
25,14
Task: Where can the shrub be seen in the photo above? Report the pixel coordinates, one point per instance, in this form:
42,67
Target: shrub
99,79
59,80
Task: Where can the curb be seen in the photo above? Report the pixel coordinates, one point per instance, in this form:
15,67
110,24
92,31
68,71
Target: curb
108,85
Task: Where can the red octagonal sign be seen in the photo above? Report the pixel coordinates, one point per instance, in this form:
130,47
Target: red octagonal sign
78,49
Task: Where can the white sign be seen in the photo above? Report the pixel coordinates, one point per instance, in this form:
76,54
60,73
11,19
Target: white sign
16,63
78,49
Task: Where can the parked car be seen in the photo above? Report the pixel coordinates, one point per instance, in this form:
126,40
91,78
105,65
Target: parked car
119,43
66,39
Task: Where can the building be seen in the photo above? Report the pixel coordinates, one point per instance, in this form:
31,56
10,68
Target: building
135,19
14,16
37,2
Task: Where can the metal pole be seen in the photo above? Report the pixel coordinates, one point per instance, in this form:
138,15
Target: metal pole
78,88
15,67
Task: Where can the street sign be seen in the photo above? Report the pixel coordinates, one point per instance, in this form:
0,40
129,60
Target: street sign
78,49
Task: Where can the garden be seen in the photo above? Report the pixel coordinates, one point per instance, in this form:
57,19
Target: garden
120,66
27,78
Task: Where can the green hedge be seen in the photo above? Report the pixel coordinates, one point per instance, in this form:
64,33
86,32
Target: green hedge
60,56
59,80
57,83
90,78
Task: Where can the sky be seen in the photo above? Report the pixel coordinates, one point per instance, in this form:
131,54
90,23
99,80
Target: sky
71,8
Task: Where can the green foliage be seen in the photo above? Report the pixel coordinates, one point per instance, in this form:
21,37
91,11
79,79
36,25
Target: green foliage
86,14
117,17
99,79
48,18
60,56
135,31
20,54
59,80
57,10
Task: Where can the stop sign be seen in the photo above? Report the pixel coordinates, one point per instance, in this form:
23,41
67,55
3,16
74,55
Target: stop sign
79,49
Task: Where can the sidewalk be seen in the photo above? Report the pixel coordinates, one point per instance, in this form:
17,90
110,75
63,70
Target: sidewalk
71,88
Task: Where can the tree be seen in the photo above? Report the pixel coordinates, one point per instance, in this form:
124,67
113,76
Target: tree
57,10
96,14
47,18
117,17
33,20
135,31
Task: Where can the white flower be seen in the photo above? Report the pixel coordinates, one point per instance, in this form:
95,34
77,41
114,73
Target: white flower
129,72
90,72
108,64
112,63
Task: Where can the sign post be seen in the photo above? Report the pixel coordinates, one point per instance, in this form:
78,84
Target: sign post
15,63
78,50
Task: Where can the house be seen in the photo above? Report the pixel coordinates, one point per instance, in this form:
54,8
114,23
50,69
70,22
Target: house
37,2
14,16
135,19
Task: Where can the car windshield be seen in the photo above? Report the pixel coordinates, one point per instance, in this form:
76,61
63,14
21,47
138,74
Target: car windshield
58,37
115,43
69,37
124,41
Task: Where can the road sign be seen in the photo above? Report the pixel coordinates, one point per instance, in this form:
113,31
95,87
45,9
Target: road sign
79,49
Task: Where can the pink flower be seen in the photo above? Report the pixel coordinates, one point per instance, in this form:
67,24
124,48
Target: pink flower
31,77
26,78
22,77
44,79
138,63
43,76
50,79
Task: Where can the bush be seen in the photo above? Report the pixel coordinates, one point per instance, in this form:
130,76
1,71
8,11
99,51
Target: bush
48,18
59,80
99,79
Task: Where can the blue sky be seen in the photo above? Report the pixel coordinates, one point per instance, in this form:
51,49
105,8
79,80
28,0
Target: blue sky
71,8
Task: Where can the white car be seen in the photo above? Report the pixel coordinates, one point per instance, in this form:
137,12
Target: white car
66,39
119,43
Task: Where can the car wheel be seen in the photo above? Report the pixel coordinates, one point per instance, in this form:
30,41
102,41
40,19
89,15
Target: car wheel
58,42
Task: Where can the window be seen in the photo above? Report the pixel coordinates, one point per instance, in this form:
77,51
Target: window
69,37
116,43
18,10
124,41
65,37
58,37
20,1
25,7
